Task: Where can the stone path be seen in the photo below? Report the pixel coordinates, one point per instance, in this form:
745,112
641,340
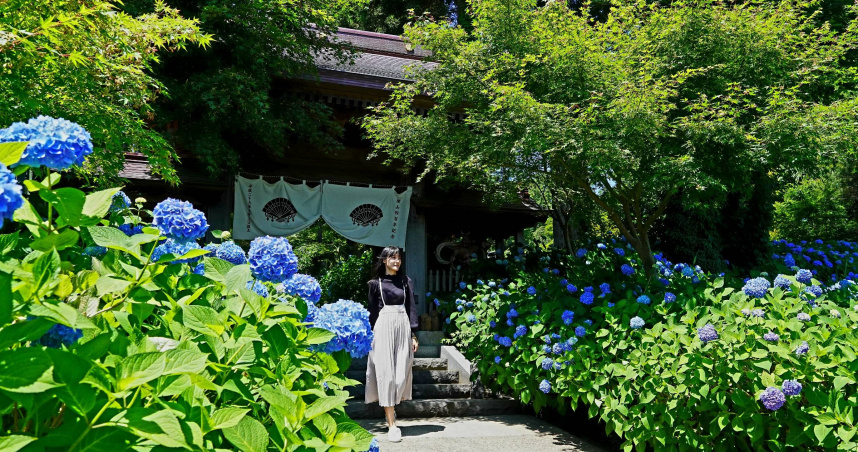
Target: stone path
514,432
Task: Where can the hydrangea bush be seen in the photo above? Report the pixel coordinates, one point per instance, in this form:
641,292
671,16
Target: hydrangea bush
685,361
143,341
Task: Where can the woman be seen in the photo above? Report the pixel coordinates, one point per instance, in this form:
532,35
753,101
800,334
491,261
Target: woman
393,316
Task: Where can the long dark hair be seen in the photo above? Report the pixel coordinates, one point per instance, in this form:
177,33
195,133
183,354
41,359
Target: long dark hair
378,270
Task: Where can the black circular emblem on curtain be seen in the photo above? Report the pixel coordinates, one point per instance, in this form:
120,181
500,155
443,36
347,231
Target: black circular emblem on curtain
280,210
366,215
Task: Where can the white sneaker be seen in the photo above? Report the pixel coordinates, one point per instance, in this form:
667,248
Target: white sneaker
394,434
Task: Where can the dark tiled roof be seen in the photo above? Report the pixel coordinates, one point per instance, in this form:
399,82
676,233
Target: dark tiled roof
380,43
382,66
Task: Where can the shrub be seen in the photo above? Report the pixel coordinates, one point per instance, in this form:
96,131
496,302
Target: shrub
697,372
105,348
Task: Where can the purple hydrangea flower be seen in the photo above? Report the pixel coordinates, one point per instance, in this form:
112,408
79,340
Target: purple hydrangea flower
772,398
771,337
707,333
791,387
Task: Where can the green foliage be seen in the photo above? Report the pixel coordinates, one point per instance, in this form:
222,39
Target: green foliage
232,100
627,111
815,208
660,387
320,250
88,62
348,278
168,359
390,16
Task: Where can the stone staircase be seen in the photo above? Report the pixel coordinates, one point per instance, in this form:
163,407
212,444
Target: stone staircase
441,388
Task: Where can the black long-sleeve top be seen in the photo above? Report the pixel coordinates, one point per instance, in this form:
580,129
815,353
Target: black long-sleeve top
395,293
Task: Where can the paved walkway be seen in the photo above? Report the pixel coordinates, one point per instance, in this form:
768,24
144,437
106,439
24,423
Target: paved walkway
513,432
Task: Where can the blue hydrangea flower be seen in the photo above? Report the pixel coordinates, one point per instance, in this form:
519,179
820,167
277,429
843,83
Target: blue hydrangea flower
349,321
200,269
545,386
814,291
505,341
669,297
497,359
211,248
803,276
509,322
493,324
120,202
231,253
834,313
620,252
588,322
557,348
771,337
637,322
791,387
546,348
520,330
643,299
129,229
601,246
547,363
531,290
772,398
512,313
177,248
782,282
179,220
568,317
301,285
462,285
437,302
272,259
588,289
60,335
756,287
10,194
789,261
472,318
570,343
707,333
802,348
580,331
95,251
480,282
258,287
627,270
605,288
493,284
664,282
803,317
688,272
571,288
373,446
580,253
587,298
459,308
53,142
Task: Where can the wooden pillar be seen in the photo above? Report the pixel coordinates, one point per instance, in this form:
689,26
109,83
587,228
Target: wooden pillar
415,256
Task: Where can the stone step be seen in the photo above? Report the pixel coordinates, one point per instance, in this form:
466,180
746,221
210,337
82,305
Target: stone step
428,351
418,376
418,364
424,391
357,409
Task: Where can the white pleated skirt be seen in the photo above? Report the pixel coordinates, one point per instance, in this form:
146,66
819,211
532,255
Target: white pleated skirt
388,369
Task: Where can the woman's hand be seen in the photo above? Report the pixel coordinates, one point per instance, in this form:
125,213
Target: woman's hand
414,344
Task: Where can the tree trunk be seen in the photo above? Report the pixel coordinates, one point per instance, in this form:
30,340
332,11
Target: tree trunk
565,235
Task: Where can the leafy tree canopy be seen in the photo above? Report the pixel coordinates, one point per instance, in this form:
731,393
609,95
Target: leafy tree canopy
89,62
627,110
232,97
390,16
